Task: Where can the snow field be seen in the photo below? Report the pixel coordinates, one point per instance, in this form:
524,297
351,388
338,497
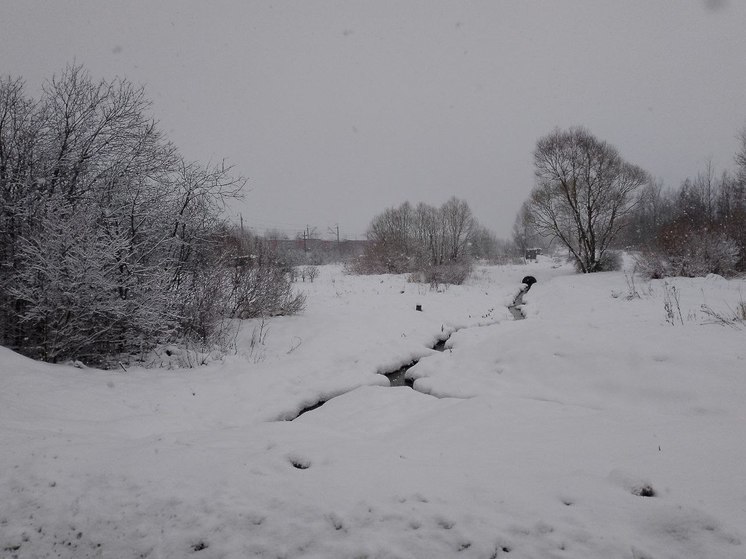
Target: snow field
529,438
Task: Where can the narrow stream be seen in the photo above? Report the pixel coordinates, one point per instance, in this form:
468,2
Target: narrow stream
399,376
396,378
515,306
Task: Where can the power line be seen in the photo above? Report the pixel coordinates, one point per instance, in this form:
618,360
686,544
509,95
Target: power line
294,230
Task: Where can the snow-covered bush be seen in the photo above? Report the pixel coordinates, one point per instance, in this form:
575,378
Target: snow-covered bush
652,265
310,272
110,242
259,279
696,229
75,296
609,261
691,255
263,291
453,273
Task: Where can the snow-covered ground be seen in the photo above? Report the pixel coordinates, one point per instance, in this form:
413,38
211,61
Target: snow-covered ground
534,438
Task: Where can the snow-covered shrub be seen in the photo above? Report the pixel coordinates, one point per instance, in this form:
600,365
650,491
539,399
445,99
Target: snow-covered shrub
78,295
110,242
263,291
203,308
610,261
260,283
310,272
708,253
691,255
652,265
453,273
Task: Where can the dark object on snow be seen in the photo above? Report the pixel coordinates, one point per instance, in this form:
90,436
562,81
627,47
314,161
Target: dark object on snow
644,491
529,281
418,308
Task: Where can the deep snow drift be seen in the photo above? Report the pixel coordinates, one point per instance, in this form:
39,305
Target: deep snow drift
533,438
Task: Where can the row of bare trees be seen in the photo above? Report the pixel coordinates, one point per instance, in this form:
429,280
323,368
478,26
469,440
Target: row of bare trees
696,229
592,201
435,243
107,235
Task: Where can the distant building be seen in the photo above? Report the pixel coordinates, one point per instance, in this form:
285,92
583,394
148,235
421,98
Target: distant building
532,253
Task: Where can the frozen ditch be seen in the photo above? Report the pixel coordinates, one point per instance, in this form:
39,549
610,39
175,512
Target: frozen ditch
398,377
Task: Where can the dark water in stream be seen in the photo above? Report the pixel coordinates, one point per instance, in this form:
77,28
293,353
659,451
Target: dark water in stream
515,307
398,377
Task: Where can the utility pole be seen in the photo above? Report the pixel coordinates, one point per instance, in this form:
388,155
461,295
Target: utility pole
335,231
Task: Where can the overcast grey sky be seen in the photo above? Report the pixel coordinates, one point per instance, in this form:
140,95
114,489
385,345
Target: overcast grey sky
336,110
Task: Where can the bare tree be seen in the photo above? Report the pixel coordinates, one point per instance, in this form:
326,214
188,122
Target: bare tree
741,157
391,235
459,224
485,245
525,234
430,235
20,137
584,190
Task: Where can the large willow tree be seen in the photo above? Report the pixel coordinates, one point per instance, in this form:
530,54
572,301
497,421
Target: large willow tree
584,190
